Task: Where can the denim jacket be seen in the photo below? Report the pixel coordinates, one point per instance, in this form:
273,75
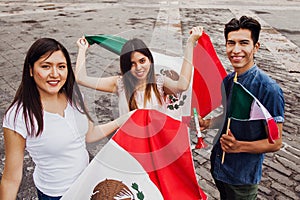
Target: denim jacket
246,168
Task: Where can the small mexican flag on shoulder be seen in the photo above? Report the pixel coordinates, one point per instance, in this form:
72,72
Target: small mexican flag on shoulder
245,106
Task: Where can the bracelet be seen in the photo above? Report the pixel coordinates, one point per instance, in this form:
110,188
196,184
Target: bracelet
191,42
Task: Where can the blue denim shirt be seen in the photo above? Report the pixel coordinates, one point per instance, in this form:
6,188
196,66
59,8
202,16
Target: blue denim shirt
246,168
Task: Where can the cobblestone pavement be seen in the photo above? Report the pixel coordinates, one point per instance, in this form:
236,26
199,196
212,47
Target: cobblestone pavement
162,24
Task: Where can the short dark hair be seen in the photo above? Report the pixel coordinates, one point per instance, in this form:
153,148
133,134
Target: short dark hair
243,23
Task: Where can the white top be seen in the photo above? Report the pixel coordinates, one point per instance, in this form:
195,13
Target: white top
59,153
139,97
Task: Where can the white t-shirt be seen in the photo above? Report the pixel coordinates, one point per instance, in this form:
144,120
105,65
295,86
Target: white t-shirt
59,153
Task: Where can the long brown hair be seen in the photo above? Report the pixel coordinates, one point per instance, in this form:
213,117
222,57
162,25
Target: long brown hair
28,95
130,82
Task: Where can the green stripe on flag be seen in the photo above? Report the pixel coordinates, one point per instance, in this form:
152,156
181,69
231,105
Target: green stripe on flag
241,103
110,42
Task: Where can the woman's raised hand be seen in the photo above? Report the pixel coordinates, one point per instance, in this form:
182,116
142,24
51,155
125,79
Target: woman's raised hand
82,43
195,33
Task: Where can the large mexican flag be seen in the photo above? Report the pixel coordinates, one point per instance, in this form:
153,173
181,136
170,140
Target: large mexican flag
245,106
149,157
204,93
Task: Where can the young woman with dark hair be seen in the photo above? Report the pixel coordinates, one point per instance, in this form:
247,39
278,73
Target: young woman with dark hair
138,86
49,119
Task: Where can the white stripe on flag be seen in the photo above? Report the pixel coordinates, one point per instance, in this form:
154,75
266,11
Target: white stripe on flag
258,111
113,162
174,63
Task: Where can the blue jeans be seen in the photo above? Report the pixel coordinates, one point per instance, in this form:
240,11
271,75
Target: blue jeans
43,196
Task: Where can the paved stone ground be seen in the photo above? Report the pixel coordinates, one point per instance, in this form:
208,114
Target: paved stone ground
166,24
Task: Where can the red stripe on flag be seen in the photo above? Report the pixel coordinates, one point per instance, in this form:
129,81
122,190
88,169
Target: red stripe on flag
273,133
161,145
208,76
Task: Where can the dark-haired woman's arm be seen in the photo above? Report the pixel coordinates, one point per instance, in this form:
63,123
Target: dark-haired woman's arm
13,168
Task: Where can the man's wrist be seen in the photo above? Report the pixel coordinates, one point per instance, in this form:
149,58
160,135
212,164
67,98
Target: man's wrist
207,123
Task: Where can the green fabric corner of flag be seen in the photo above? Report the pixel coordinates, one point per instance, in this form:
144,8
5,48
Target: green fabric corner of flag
109,42
241,103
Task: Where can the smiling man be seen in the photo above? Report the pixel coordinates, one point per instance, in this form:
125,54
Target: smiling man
246,142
